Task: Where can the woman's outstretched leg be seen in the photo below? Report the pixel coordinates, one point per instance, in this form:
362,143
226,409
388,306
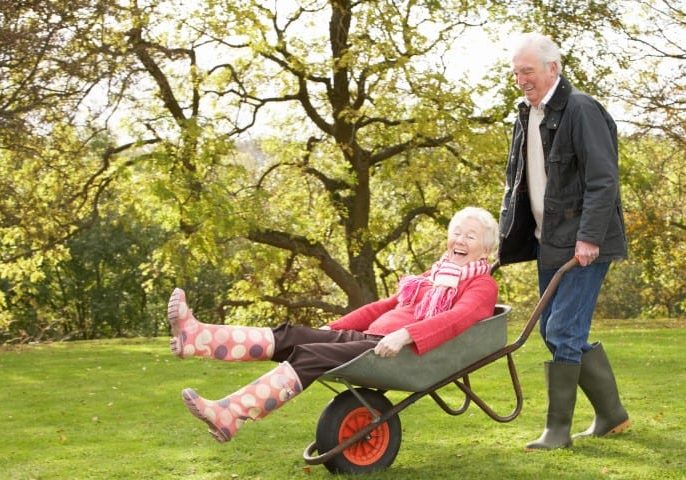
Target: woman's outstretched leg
223,342
252,402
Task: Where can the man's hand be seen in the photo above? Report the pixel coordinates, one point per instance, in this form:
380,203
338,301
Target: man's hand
586,252
391,344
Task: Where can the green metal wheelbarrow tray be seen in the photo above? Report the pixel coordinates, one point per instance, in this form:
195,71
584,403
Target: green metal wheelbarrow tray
359,430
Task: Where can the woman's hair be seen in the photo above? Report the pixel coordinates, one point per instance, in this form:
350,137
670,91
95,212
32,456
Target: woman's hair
484,217
545,48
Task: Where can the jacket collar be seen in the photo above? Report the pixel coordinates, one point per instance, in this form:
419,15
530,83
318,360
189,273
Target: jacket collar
557,101
561,95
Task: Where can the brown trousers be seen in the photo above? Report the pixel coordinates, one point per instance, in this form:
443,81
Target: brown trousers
311,352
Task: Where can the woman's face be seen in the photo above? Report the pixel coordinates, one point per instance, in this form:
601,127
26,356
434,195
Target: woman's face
466,242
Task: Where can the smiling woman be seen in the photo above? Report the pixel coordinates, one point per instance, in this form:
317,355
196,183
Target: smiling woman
471,236
428,310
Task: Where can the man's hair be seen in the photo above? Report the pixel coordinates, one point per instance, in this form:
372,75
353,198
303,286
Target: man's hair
485,218
545,48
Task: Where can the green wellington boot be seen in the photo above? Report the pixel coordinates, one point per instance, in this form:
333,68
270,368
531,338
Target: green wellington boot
562,379
598,383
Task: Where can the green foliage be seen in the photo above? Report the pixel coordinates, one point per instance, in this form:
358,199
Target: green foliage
96,292
44,201
279,162
654,181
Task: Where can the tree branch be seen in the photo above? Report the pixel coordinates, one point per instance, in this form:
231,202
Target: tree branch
301,245
404,225
417,142
141,51
326,306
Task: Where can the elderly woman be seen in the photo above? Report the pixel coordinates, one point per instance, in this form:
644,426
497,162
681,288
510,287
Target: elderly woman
426,311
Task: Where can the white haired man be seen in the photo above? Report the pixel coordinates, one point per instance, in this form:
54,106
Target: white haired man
562,200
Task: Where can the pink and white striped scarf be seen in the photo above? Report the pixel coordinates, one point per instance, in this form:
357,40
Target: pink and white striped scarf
445,277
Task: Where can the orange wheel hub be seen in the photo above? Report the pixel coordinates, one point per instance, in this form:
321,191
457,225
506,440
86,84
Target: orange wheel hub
371,448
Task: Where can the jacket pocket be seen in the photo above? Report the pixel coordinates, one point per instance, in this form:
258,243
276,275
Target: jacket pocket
561,221
565,178
561,157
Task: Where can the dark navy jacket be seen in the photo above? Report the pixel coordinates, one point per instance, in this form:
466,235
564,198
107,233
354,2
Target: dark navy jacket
582,200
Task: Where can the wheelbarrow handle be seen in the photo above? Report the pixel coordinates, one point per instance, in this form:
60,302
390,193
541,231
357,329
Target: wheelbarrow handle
543,301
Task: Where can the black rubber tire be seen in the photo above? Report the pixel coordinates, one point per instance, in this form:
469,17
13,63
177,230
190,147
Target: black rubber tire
340,410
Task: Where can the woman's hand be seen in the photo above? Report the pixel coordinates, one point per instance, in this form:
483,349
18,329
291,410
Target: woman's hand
391,344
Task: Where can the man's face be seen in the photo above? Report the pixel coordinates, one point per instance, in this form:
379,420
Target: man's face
533,77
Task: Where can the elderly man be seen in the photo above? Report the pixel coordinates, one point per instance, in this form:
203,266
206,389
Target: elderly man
562,200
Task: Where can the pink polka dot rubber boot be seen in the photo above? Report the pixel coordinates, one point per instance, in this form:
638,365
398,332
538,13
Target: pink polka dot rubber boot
223,342
252,402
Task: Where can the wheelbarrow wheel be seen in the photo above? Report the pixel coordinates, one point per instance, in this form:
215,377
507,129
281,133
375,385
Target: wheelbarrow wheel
343,417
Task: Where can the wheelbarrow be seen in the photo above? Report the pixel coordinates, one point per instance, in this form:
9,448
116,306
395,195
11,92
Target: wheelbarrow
359,430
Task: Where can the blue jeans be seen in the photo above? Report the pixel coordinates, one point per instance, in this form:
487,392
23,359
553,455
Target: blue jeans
566,320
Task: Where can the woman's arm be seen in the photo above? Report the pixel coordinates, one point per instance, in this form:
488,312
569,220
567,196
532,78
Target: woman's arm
361,318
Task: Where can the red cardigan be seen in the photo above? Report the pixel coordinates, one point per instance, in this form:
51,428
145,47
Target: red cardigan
475,301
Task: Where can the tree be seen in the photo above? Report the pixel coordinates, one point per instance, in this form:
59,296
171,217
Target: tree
658,93
301,155
353,136
654,96
654,181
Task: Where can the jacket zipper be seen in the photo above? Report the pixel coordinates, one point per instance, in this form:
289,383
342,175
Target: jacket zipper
517,178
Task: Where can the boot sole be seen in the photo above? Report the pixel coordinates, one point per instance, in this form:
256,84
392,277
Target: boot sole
176,298
622,427
212,428
175,344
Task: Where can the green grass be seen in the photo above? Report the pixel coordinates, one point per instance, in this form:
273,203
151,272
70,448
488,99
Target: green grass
112,409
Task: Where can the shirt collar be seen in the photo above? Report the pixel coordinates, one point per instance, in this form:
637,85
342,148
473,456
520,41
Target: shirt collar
547,96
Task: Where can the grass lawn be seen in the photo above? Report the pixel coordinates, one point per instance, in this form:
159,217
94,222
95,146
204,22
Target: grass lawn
112,409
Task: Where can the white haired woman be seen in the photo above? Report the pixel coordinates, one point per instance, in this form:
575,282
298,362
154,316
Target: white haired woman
426,311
